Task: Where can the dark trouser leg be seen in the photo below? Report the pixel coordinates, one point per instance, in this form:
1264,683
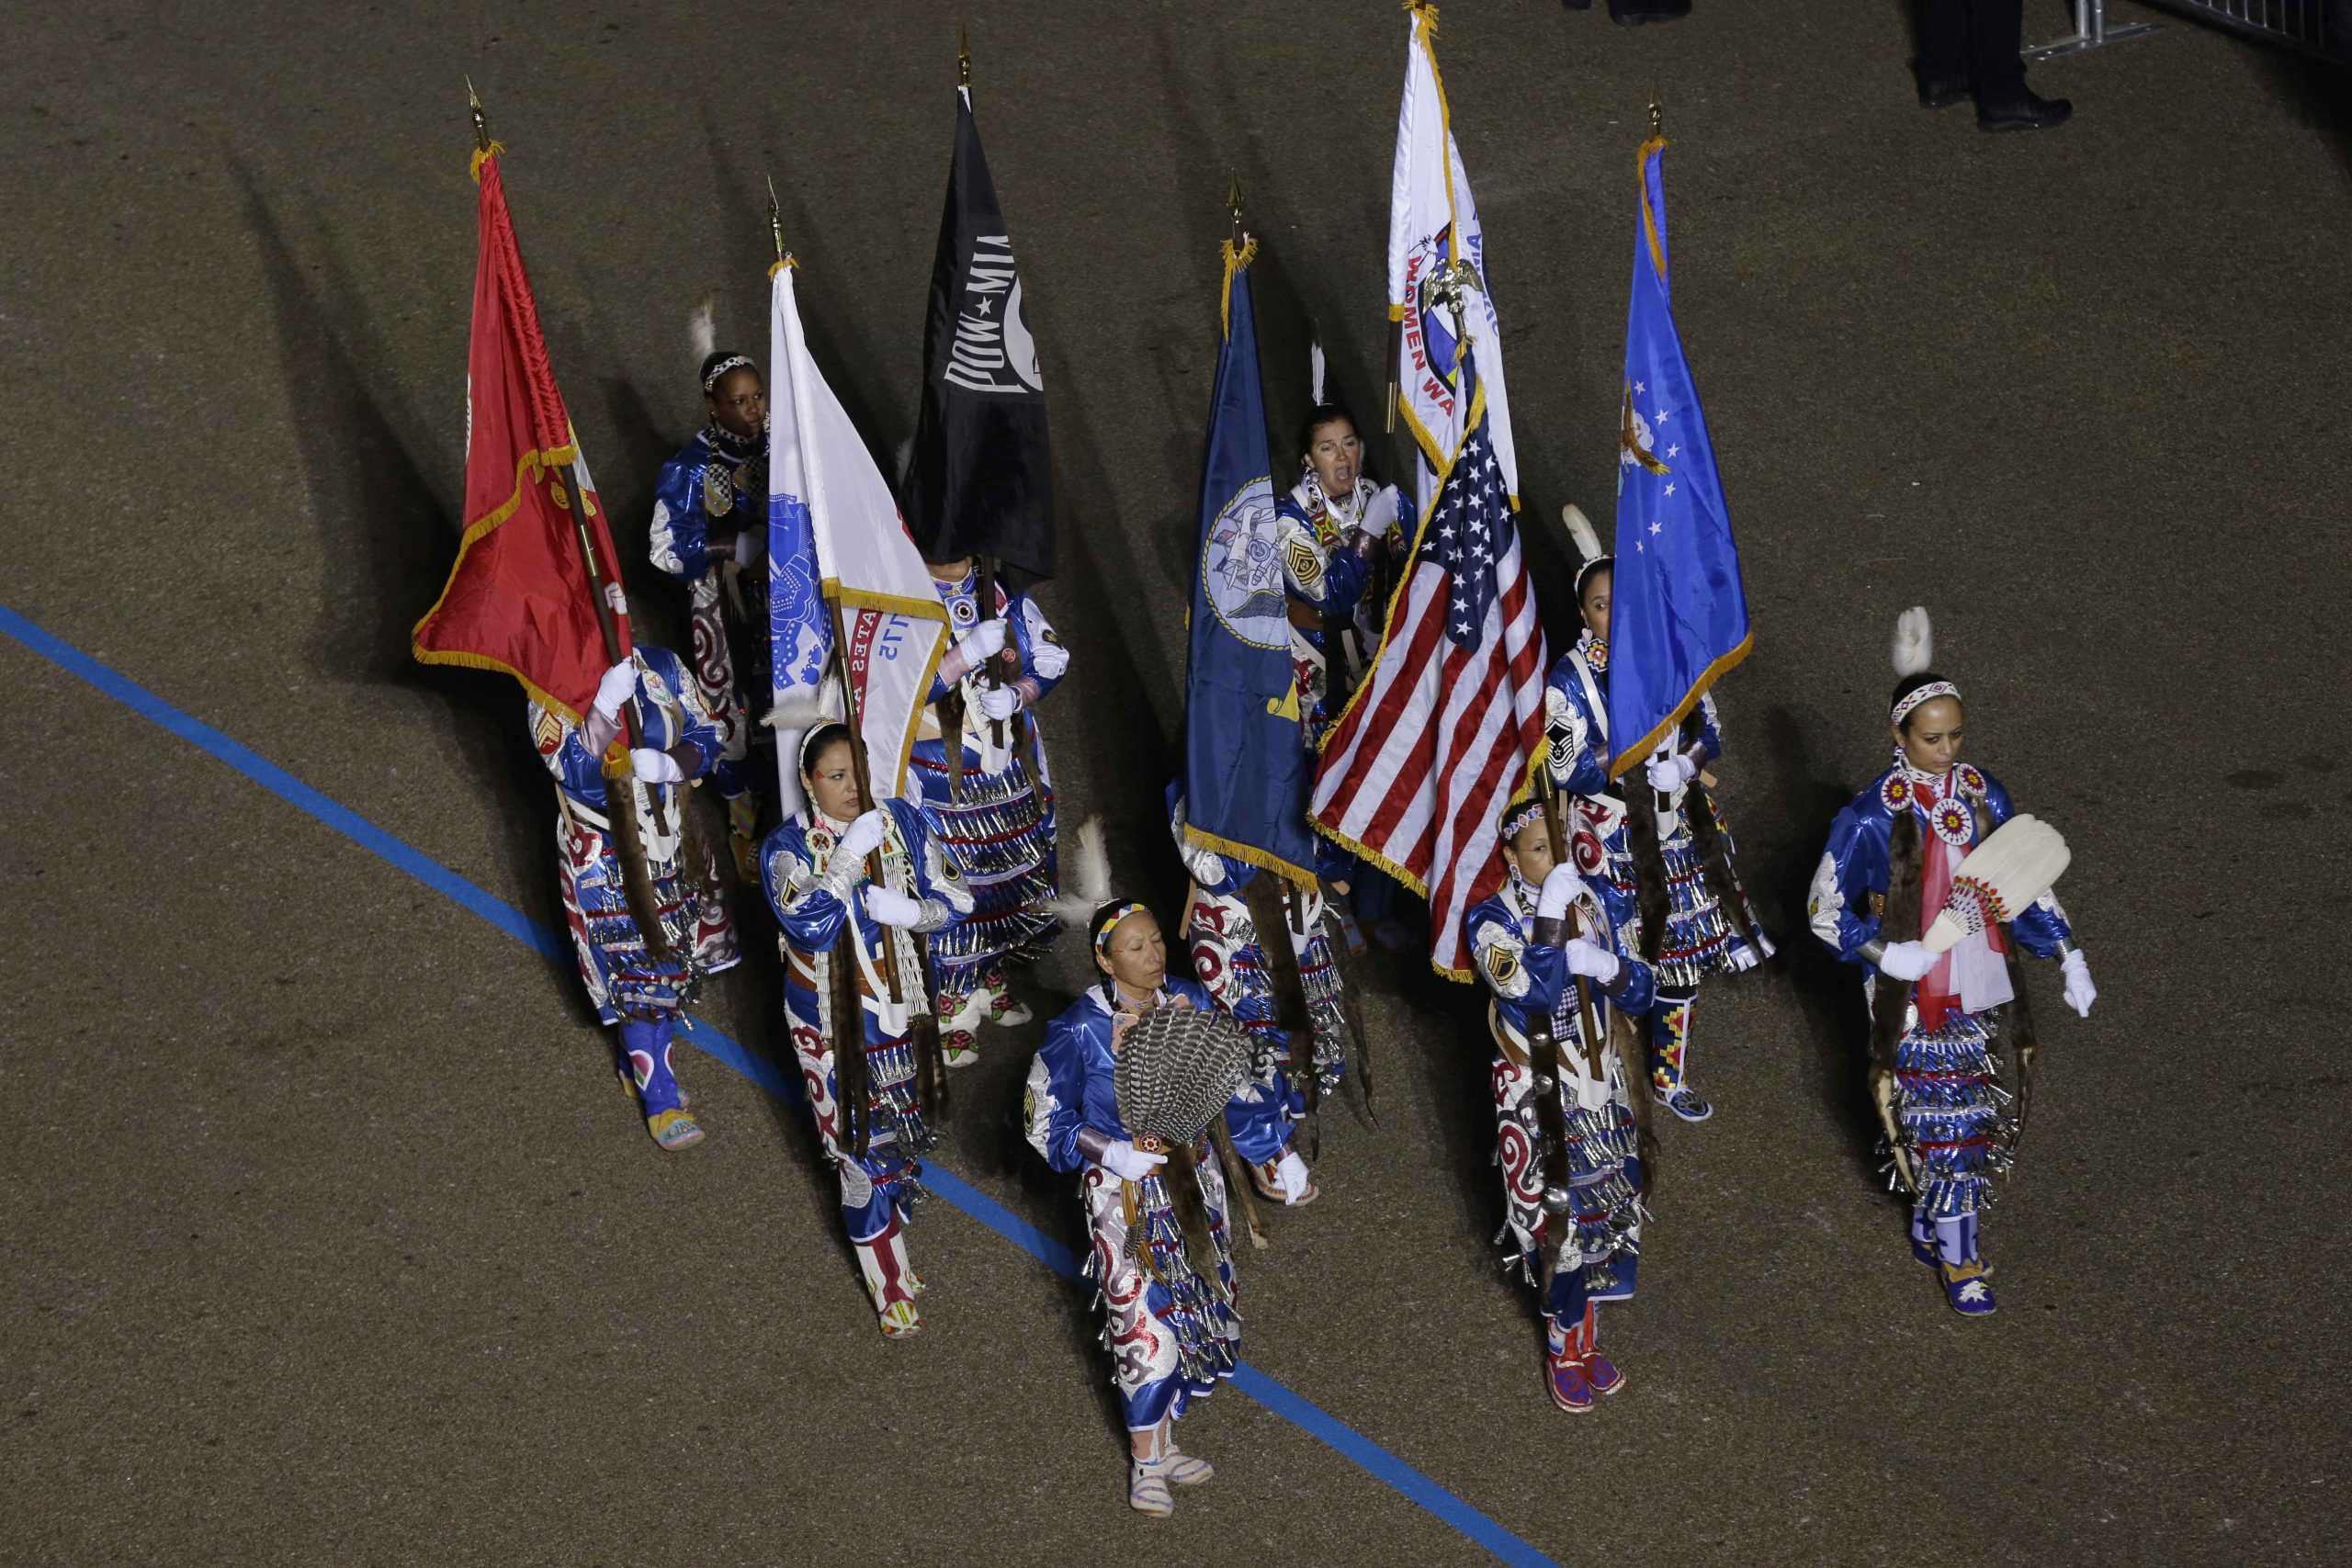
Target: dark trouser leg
1943,42
1995,30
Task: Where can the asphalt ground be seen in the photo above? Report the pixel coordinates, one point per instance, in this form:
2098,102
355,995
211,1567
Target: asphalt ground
330,1237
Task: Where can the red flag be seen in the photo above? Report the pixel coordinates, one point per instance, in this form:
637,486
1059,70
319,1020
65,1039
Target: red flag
518,598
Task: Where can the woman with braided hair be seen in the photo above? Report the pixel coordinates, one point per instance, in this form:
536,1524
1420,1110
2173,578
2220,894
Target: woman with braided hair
1881,880
853,1022
1553,948
709,530
1161,1248
1666,850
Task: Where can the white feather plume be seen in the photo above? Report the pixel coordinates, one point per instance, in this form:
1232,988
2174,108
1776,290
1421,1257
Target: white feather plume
702,331
822,705
1086,876
1314,372
1914,642
1581,532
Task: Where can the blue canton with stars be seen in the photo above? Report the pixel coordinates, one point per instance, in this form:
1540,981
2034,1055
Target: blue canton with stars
1470,529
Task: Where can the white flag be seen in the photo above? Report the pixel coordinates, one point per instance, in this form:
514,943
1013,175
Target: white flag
837,545
1433,224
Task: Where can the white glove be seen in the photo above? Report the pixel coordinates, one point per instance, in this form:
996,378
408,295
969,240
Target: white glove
1591,960
747,547
1290,1177
864,836
1668,774
891,907
985,642
2080,993
617,686
1905,960
1561,885
1128,1163
999,702
655,767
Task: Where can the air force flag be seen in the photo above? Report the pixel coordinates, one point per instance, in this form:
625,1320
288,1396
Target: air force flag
1679,615
1246,766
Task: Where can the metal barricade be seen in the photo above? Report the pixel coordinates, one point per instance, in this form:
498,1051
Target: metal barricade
2090,31
2316,26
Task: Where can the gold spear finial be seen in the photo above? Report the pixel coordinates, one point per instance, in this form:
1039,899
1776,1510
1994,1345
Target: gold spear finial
481,120
1657,119
1233,204
963,55
776,225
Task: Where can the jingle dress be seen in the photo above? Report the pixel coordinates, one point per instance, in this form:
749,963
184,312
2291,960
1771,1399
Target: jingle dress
1172,1335
632,990
1951,1105
814,894
1701,938
995,822
1530,982
720,479
1229,960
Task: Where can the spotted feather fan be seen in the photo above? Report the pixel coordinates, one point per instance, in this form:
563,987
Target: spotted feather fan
1177,1068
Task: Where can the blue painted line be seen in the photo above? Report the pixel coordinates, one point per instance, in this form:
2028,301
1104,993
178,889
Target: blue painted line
1278,1399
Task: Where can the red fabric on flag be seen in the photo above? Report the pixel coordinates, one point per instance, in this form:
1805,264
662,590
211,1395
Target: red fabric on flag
518,597
1415,774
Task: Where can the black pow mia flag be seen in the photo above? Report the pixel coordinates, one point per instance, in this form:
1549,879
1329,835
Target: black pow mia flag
979,480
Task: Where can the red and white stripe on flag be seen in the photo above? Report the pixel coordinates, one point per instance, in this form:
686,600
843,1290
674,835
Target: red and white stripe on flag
1415,774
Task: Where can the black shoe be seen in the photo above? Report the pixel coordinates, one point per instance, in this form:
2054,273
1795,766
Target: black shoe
1633,13
2028,113
1935,93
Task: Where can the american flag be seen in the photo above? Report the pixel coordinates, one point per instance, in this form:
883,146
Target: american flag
1417,771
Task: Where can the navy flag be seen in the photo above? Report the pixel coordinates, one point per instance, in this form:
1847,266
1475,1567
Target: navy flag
1677,615
1246,765
979,480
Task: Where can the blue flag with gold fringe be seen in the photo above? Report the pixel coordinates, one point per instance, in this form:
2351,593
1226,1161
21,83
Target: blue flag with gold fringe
1679,615
1246,767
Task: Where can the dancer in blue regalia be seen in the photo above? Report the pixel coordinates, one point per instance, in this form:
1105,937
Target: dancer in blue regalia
635,991
852,1024
981,764
1171,1324
709,532
1552,950
1229,960
1341,527
1884,877
1670,856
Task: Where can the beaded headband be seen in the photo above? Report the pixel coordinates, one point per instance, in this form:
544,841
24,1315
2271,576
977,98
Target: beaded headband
719,371
1583,572
1515,816
1107,918
1926,693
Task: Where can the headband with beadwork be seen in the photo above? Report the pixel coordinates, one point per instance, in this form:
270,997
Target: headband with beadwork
1107,918
1926,693
717,372
1515,816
